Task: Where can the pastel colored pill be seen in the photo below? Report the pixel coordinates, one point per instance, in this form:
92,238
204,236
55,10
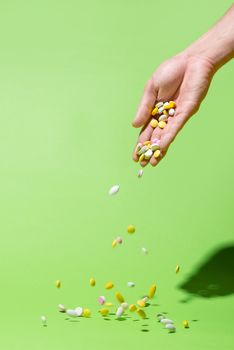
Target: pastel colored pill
138,147
141,313
165,103
86,313
185,324
43,320
170,105
154,111
113,190
162,124
58,284
61,308
141,158
140,173
162,118
119,240
144,250
124,305
157,153
177,269
104,312
159,104
154,147
131,284
171,111
132,308
114,243
146,143
71,313
119,311
109,304
141,303
152,291
119,297
92,282
109,285
165,112
142,150
160,110
79,311
148,154
154,123
101,299
166,320
170,327
131,229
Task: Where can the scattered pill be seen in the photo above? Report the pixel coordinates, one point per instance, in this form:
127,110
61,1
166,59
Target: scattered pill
71,312
92,282
61,308
104,312
119,240
148,154
152,291
170,327
109,285
131,284
140,173
113,190
154,111
119,311
101,299
119,297
154,123
124,305
141,303
141,313
114,243
58,284
144,250
185,324
162,124
166,320
79,311
43,320
86,313
177,269
157,153
109,304
131,229
132,308
141,158
171,111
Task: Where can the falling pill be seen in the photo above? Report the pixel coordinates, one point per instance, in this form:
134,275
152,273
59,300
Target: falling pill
124,305
141,313
71,312
132,308
61,308
92,282
152,291
144,250
101,299
170,327
131,284
140,173
185,324
166,320
177,269
43,320
119,297
131,229
58,284
113,190
104,311
109,285
119,311
79,311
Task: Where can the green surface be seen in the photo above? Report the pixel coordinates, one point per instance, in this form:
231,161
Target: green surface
71,75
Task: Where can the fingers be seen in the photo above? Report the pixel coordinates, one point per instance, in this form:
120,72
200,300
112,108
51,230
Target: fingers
145,135
146,105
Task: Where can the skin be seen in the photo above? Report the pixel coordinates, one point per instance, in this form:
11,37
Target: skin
185,79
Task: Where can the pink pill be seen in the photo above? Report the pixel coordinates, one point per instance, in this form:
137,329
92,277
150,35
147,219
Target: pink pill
101,300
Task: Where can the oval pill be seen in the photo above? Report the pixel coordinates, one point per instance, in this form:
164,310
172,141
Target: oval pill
109,285
114,243
152,291
119,311
132,308
92,282
113,190
124,305
148,154
160,110
131,284
157,153
159,104
170,327
131,229
154,123
141,313
142,150
155,147
177,269
162,124
109,304
58,284
61,308
171,111
141,158
43,320
154,111
141,303
162,118
119,297
185,324
104,312
166,320
79,311
71,313
146,143
101,299
140,173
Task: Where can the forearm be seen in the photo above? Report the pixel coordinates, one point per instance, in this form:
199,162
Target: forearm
217,45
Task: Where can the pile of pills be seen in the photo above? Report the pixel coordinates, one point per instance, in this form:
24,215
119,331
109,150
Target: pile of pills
147,150
161,112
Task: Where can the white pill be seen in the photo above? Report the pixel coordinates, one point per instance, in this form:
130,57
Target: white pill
140,173
142,150
154,146
113,190
159,104
71,312
148,154
43,319
144,250
145,299
160,317
119,311
170,327
162,118
166,103
160,110
124,305
79,311
61,308
171,111
131,284
166,320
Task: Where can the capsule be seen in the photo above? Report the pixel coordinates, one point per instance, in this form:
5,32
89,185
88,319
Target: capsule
162,118
119,297
154,111
114,243
71,313
109,285
141,158
152,291
185,324
159,104
170,327
160,110
171,112
170,105
79,311
148,154
104,312
146,143
92,282
119,311
58,284
155,147
166,320
132,308
141,313
157,153
177,269
113,190
131,284
142,150
140,173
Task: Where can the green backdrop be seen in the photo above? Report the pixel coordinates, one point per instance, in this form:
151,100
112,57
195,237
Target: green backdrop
71,76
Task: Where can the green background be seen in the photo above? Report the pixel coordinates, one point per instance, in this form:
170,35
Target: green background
71,76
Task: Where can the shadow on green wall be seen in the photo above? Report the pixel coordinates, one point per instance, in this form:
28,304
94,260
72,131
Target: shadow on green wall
214,277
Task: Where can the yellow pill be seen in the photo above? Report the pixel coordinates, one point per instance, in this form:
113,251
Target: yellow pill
119,297
165,112
131,229
58,284
108,304
141,158
154,111
152,291
104,312
157,153
86,313
141,313
132,308
92,282
177,269
147,143
141,303
109,285
162,124
114,243
171,104
154,123
185,324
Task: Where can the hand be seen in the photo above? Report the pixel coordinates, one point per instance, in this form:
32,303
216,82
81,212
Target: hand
184,79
